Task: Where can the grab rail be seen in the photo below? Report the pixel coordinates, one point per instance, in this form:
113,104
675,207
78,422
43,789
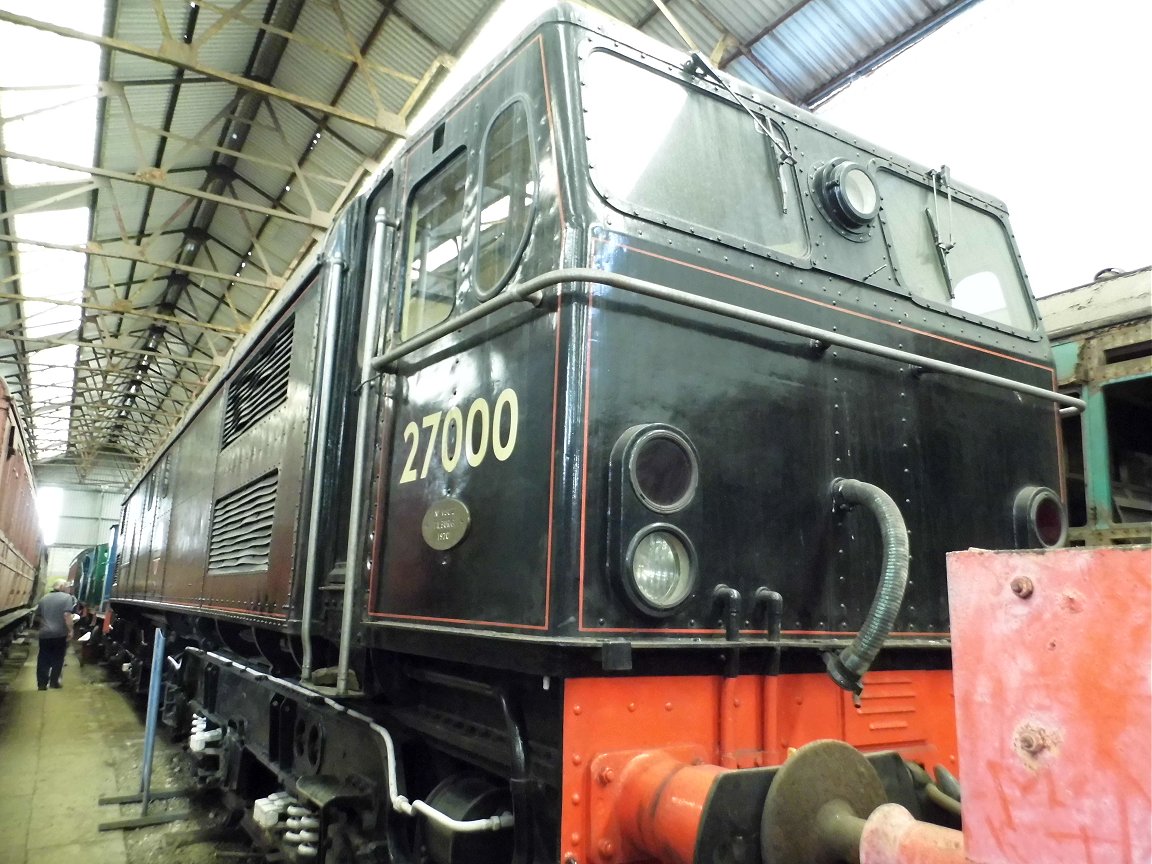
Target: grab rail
525,291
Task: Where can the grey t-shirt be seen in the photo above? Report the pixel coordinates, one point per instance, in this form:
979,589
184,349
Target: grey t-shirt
51,611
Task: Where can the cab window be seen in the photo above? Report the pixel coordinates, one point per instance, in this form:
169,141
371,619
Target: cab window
952,253
674,153
508,198
435,220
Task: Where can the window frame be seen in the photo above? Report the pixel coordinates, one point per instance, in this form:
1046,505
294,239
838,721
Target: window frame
526,235
459,153
879,166
703,88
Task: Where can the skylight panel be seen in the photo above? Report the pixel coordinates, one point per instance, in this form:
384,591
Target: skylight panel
48,88
48,108
51,377
52,274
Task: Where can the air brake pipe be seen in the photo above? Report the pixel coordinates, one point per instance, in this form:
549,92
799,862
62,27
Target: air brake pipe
849,666
335,266
352,562
526,291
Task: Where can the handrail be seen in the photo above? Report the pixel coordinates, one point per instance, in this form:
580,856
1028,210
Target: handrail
328,316
525,291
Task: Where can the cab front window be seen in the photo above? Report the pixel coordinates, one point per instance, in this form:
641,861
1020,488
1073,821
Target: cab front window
953,254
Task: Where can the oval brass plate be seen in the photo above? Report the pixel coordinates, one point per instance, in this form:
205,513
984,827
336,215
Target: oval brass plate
445,523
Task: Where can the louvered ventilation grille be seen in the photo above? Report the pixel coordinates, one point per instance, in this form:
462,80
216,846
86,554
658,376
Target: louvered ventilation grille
242,528
261,387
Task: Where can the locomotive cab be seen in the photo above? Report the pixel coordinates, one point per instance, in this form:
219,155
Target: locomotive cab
628,456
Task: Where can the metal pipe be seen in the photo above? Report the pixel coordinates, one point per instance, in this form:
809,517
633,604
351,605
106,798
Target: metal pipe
525,290
323,392
727,737
942,799
770,683
729,599
361,455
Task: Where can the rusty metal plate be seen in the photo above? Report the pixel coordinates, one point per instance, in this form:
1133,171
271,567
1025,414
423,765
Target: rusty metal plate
1054,703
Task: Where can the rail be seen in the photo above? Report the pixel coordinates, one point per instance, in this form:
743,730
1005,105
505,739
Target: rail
525,291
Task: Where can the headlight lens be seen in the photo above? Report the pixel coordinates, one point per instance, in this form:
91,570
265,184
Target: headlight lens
661,569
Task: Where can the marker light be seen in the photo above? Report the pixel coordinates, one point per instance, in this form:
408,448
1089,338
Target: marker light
1040,517
663,469
661,574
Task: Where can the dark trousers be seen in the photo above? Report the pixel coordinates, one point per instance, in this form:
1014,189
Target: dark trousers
50,661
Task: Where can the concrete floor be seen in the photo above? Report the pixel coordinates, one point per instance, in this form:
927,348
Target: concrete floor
60,751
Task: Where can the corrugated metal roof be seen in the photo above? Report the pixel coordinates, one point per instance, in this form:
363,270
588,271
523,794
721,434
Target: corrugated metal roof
197,165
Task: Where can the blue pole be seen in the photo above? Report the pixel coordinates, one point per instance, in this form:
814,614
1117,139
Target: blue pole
153,712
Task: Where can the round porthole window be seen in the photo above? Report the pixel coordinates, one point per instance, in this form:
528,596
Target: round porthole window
847,196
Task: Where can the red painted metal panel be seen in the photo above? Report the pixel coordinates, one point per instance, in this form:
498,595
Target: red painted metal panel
20,547
735,723
1051,654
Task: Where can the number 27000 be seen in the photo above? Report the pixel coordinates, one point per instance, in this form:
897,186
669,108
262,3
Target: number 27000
455,436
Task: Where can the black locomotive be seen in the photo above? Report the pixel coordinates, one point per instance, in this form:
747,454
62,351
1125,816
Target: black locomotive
629,416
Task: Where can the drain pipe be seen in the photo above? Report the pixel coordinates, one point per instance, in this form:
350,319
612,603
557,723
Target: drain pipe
729,599
849,666
773,603
353,566
323,390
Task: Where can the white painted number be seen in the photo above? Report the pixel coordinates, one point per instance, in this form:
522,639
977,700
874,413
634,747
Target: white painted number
478,422
411,433
432,421
456,435
503,449
453,433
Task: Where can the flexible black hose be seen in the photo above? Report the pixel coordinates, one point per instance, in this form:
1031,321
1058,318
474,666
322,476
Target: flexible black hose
948,784
942,799
849,666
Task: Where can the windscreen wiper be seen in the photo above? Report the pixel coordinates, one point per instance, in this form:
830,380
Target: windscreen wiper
940,178
700,64
942,250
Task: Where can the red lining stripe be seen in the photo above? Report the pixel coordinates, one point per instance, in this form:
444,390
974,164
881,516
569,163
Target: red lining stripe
821,303
457,620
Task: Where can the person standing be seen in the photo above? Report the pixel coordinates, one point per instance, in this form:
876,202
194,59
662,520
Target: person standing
55,611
